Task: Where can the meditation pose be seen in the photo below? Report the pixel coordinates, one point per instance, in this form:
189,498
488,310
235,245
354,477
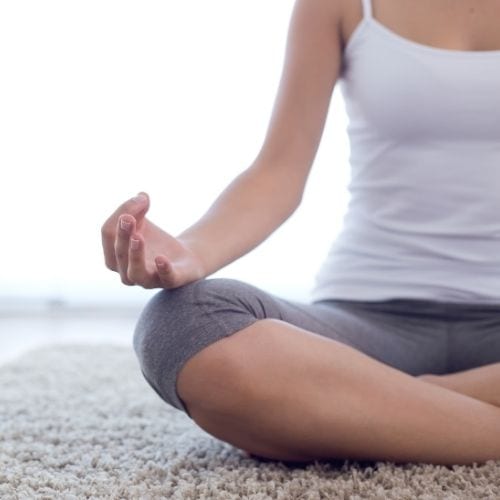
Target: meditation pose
397,355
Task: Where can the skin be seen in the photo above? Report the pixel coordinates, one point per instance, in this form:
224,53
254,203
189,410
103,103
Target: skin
144,254
455,25
451,419
281,392
450,24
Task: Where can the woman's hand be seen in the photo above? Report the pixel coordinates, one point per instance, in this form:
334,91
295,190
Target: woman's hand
142,253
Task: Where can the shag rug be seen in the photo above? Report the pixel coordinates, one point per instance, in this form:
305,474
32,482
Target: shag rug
79,421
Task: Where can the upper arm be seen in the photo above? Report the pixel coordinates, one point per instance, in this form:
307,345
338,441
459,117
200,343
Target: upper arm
311,67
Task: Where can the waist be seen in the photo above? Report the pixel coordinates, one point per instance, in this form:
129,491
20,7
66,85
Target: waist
420,307
419,244
367,262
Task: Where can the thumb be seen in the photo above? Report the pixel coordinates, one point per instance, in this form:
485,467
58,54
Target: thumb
139,205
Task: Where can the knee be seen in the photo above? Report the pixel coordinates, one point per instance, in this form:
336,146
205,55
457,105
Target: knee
177,323
178,314
158,321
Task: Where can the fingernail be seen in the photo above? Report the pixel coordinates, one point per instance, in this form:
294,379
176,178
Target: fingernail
134,244
139,198
125,225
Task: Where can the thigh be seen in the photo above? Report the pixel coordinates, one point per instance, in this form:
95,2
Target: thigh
474,338
178,323
393,332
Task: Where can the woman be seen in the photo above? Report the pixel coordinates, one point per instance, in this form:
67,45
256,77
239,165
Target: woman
398,355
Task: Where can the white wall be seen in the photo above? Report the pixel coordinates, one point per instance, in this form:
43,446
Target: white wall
102,99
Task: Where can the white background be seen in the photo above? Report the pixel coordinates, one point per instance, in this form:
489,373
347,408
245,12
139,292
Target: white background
102,99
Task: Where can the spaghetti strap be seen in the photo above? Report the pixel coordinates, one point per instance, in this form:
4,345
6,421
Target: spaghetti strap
367,9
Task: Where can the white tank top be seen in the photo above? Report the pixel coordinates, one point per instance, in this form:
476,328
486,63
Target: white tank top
423,219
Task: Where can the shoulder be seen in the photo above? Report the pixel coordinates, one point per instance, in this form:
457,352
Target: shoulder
349,14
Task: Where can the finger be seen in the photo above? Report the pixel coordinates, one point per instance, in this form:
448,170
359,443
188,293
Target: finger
165,271
137,272
136,206
124,228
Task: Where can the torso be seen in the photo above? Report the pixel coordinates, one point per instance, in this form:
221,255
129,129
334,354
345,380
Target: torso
468,25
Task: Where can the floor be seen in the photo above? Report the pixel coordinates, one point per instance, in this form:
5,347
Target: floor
23,331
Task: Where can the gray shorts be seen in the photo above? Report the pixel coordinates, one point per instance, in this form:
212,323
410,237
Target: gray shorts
413,335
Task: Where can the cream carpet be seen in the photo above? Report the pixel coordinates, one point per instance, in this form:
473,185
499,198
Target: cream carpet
80,422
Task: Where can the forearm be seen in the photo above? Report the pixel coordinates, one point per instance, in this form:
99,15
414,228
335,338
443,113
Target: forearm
249,210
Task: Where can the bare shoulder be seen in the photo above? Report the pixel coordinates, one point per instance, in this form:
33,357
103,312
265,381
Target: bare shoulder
349,13
331,11
335,14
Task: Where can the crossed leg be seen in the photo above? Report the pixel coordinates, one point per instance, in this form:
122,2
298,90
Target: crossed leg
285,393
481,383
